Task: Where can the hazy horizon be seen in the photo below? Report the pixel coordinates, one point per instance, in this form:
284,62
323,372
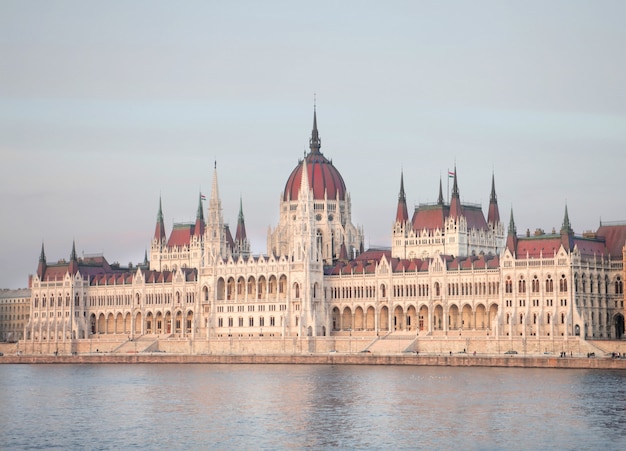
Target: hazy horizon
105,107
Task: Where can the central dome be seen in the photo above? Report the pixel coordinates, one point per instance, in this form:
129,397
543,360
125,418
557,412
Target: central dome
324,178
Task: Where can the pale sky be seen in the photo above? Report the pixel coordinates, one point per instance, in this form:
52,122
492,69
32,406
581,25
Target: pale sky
105,106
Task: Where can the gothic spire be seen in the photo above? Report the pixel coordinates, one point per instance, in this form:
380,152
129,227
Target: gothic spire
512,228
41,268
493,216
511,239
42,256
73,253
199,227
73,267
315,142
455,202
566,227
455,186
402,214
567,234
159,230
440,198
240,235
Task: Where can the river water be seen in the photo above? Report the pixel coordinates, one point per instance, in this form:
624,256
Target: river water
309,406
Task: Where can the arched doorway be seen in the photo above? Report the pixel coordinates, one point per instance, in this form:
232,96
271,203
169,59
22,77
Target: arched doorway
398,318
336,319
370,318
438,318
384,318
619,326
346,319
453,317
358,319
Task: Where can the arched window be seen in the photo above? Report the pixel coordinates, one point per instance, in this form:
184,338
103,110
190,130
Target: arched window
549,285
521,285
535,285
508,285
297,290
437,289
563,284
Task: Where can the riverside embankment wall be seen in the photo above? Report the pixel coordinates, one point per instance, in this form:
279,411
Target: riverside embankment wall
327,359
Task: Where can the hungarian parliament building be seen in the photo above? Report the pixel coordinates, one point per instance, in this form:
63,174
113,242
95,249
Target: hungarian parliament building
450,270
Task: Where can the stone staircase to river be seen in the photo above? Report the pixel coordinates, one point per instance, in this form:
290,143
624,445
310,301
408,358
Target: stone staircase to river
393,343
144,343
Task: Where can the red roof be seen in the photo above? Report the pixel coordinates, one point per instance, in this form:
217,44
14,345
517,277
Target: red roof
324,179
475,217
429,217
615,237
181,235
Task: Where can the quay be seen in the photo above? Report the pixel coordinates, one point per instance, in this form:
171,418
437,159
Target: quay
459,360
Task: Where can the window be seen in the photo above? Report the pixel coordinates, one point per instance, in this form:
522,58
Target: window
563,284
251,321
549,285
535,285
272,321
261,321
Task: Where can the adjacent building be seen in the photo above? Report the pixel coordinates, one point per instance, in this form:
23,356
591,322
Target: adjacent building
14,313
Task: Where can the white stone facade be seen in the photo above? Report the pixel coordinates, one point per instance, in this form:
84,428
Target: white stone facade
317,281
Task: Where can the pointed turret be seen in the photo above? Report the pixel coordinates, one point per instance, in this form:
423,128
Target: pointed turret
73,268
455,201
159,231
199,227
493,216
145,258
402,214
315,142
567,234
511,239
440,198
41,268
566,227
241,239
215,240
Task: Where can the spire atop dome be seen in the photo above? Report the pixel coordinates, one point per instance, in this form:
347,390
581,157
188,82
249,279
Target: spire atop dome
402,214
315,142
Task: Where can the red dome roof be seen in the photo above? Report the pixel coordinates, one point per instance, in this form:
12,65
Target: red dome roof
324,178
